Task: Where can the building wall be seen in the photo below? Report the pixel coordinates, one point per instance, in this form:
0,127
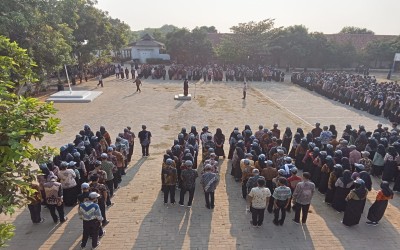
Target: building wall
143,53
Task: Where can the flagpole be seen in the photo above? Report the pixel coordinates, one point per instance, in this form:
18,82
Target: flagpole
69,85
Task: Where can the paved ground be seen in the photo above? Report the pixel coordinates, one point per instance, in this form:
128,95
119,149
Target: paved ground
140,221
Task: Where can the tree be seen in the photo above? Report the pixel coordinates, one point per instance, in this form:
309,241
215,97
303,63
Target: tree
21,120
355,30
207,29
189,47
248,42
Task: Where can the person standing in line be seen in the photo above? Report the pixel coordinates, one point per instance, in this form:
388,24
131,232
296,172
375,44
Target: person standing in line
108,167
377,210
281,196
131,143
244,90
90,213
138,83
145,140
302,196
117,72
188,177
258,199
35,205
355,204
54,198
127,72
169,179
209,181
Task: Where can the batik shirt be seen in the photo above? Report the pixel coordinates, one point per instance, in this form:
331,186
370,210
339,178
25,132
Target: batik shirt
189,178
53,192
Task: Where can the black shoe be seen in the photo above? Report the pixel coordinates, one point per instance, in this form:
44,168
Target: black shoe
64,220
104,233
104,223
281,222
275,222
208,206
212,207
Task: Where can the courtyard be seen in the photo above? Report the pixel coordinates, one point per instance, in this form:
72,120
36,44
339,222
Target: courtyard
139,220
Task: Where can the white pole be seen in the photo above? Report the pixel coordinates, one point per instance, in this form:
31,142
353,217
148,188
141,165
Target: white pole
69,85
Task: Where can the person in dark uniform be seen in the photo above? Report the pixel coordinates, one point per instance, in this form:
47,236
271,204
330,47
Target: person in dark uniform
185,87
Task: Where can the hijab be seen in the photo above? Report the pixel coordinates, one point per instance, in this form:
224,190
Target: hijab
367,179
381,150
346,178
360,189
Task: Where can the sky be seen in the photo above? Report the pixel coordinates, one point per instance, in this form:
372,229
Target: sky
382,17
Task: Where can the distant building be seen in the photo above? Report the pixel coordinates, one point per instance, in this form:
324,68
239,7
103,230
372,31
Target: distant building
146,48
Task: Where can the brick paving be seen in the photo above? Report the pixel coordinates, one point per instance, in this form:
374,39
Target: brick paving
140,221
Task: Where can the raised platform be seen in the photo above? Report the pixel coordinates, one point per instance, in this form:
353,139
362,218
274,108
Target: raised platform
181,97
74,97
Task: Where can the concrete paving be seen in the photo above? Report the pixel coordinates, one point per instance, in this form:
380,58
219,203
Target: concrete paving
139,220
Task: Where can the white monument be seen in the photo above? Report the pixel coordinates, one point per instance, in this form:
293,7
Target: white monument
82,96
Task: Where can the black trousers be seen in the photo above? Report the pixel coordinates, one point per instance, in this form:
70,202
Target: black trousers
281,208
60,210
145,150
244,189
169,190
182,196
117,179
209,196
102,206
131,146
301,208
90,228
35,210
110,185
257,215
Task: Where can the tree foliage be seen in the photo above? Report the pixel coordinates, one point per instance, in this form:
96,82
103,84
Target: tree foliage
21,120
186,46
58,32
355,30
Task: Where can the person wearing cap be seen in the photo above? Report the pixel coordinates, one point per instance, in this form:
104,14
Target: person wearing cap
316,132
288,166
120,163
84,196
247,172
54,198
145,140
188,177
281,196
355,204
67,179
212,162
326,136
101,189
252,182
90,213
130,137
169,180
209,182
302,196
258,200
108,167
102,175
117,174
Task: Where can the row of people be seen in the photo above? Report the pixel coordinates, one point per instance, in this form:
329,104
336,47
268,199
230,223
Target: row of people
361,92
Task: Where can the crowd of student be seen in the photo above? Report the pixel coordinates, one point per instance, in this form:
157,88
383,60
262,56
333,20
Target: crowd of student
87,172
363,92
267,162
209,72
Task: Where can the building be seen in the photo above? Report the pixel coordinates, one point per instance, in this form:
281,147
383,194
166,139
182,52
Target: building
145,50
